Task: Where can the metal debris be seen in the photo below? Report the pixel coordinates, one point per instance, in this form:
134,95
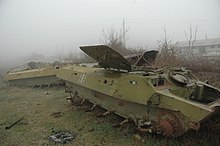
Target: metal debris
62,137
8,127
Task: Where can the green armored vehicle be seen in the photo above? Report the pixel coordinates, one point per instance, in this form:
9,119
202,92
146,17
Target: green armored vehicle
165,102
168,102
33,74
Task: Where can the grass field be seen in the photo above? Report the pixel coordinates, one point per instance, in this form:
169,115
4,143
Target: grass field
40,108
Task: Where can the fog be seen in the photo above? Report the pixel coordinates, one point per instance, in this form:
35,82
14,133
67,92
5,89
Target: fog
30,27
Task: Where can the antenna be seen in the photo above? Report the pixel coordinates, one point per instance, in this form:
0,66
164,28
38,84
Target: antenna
123,29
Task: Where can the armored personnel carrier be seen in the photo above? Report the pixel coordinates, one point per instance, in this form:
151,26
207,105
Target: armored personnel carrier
168,102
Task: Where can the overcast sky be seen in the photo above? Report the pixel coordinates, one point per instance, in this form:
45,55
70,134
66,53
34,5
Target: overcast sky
42,26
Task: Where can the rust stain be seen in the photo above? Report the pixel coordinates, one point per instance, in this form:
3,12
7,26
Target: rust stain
167,128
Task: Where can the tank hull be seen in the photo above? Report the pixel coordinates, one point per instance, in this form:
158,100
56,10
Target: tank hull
36,77
133,97
139,113
35,81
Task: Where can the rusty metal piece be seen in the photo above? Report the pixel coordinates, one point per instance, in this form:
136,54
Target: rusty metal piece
171,123
166,128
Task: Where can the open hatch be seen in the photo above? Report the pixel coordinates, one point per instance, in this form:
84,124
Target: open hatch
142,59
107,57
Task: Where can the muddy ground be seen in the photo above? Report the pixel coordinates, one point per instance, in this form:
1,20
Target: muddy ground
46,110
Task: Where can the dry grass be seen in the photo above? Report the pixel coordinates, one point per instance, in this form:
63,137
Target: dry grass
167,59
37,105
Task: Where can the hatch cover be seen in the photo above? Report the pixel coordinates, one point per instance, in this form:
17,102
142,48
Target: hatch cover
107,57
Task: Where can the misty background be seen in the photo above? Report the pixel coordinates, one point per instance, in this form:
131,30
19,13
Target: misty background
37,29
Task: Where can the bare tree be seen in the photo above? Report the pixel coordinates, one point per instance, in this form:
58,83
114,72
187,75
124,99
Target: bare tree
59,54
116,39
70,56
168,52
191,35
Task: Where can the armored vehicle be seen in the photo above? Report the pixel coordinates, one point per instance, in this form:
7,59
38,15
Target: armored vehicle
168,102
45,76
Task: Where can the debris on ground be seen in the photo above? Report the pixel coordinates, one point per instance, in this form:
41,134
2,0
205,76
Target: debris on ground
62,137
14,123
57,114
